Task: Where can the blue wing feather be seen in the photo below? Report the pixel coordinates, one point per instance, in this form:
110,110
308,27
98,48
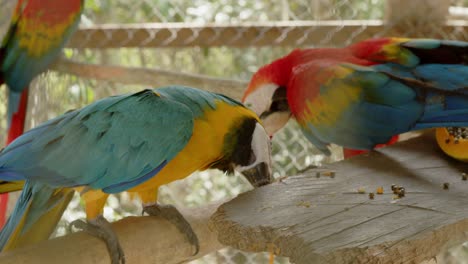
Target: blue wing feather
113,143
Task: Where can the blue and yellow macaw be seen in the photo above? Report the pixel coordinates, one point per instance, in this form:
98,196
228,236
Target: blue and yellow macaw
37,33
133,143
364,94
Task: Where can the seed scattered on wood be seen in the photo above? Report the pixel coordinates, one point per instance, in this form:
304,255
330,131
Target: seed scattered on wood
371,196
361,190
330,174
380,190
401,192
464,177
396,189
446,185
303,203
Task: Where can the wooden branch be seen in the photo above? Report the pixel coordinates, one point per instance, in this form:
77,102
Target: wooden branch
6,12
285,33
144,239
325,220
150,77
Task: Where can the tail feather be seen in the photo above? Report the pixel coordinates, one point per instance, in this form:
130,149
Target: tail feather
35,216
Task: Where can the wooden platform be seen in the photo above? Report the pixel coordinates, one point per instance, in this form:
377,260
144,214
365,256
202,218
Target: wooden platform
320,219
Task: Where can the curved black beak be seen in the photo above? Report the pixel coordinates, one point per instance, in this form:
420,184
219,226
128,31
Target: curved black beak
259,175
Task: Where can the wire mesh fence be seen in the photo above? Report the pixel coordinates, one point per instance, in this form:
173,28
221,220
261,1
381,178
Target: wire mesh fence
228,39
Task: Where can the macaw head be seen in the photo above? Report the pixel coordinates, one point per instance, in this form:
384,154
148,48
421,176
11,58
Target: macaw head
247,149
266,94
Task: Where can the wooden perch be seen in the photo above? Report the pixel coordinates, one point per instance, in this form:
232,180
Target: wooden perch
314,218
150,77
144,239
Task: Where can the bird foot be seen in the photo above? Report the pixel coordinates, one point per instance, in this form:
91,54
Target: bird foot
102,229
171,214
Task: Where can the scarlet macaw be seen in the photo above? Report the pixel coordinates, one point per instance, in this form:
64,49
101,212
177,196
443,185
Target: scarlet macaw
364,94
133,143
39,29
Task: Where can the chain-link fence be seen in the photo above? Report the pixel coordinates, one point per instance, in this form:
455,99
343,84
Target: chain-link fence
226,39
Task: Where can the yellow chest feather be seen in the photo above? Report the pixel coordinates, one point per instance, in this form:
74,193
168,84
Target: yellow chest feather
204,147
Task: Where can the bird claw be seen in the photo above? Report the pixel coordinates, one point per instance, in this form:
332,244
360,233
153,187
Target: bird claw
102,229
171,214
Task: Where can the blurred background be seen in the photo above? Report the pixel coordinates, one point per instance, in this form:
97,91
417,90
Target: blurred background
225,39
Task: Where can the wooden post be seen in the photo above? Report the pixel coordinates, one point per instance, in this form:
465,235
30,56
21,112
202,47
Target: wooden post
319,217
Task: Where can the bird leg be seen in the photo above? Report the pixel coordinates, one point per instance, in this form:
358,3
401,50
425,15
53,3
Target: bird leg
171,214
101,228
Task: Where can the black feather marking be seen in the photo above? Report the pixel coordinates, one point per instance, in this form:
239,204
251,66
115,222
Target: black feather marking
279,103
145,94
54,141
415,83
237,146
101,134
444,54
86,117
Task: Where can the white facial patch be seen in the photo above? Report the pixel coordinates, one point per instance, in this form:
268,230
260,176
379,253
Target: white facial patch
260,99
261,148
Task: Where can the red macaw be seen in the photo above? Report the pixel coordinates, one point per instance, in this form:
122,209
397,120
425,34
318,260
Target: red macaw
37,34
363,95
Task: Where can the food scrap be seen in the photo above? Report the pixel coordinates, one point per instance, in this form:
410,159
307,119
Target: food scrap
331,174
303,203
380,190
399,191
446,185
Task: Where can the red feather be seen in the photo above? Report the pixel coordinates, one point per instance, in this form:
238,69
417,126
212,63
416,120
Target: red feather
14,131
348,153
364,53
